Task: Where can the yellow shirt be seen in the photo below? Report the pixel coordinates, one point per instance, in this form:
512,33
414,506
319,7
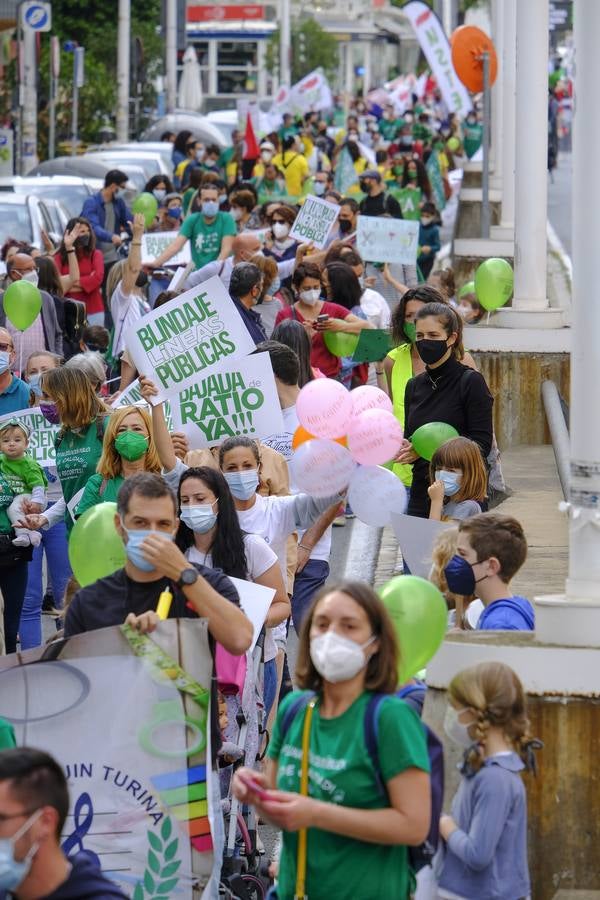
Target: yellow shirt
295,169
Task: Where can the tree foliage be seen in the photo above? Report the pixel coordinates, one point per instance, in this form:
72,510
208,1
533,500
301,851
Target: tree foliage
312,47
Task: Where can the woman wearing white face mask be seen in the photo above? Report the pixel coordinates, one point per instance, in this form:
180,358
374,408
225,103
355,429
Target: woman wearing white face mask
281,247
307,309
356,834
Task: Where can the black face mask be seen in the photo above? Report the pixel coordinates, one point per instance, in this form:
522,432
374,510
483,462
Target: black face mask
83,241
142,280
431,351
365,186
345,226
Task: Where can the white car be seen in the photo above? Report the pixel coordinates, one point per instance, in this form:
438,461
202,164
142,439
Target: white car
164,149
69,190
150,163
24,217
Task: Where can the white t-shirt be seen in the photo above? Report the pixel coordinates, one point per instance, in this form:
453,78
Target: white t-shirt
282,442
126,309
376,308
259,559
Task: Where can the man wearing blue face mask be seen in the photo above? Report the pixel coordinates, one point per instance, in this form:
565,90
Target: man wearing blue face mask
34,801
14,393
210,232
147,522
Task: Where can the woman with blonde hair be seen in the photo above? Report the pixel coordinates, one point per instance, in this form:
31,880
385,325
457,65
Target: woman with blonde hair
69,400
128,448
486,835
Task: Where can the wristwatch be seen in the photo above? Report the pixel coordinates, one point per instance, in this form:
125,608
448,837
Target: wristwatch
187,577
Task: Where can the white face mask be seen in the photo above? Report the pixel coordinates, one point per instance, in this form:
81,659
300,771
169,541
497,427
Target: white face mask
32,277
281,230
236,213
337,658
266,155
319,188
455,729
310,297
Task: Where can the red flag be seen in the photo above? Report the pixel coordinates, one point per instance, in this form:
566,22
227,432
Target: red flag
251,150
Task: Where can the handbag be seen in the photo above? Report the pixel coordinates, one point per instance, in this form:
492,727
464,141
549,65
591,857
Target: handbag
10,555
300,893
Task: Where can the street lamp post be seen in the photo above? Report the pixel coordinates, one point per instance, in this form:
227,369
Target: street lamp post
123,69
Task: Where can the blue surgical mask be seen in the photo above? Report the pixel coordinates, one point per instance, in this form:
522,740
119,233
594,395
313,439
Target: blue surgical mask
223,198
319,188
274,286
34,383
460,576
133,547
199,518
450,480
210,208
174,212
242,485
4,361
12,871
159,193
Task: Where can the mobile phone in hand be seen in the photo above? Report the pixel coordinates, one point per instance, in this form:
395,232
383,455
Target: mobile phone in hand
322,317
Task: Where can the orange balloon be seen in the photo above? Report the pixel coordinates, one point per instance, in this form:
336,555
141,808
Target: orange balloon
301,435
468,43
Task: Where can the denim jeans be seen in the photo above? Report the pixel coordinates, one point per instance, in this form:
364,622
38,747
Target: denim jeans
269,685
13,581
306,584
54,542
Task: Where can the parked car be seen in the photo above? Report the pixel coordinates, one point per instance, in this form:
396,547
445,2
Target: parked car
200,126
163,148
24,217
71,191
150,163
86,167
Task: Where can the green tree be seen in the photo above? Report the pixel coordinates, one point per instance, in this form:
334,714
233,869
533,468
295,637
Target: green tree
312,48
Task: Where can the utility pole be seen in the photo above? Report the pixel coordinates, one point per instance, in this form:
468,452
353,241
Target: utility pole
285,43
171,53
29,157
54,73
123,62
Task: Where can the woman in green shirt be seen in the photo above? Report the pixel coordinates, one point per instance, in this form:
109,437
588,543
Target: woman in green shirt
128,448
357,838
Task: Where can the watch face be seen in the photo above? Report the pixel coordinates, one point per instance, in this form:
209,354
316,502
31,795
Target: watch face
188,576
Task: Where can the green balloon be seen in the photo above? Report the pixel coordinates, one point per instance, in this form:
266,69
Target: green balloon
146,205
340,343
95,547
430,437
494,283
22,304
419,615
453,144
468,288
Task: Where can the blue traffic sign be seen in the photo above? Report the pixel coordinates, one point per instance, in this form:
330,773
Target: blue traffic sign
37,16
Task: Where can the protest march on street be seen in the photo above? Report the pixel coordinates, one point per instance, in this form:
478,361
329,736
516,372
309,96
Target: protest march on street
299,469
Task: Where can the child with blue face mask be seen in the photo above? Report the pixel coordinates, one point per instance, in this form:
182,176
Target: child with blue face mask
458,480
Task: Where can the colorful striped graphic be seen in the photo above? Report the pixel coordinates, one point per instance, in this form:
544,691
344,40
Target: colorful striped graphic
184,792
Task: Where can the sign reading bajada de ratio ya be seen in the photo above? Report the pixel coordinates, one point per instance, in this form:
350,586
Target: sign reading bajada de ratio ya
180,341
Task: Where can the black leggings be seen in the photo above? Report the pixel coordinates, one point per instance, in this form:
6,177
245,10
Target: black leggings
13,583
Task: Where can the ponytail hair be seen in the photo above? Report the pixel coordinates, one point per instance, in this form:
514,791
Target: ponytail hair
493,691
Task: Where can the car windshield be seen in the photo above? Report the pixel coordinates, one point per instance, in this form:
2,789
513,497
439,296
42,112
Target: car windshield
72,196
15,222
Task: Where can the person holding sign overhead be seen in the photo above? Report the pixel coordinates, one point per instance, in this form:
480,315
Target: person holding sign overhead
210,232
124,289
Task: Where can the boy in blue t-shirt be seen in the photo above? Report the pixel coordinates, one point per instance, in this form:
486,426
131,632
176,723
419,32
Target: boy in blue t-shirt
491,548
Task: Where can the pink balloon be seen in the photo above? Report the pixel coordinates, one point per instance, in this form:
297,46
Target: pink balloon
369,397
321,468
374,437
324,408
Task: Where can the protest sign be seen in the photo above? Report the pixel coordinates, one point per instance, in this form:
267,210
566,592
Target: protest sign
373,344
255,600
132,396
383,239
127,717
195,332
436,180
436,49
237,398
416,538
156,242
41,441
314,222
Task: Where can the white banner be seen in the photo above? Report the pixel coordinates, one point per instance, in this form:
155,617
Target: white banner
310,93
383,239
237,398
191,334
41,441
132,396
128,718
314,221
155,242
434,44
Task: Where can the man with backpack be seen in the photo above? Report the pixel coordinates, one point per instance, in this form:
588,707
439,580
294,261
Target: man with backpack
377,201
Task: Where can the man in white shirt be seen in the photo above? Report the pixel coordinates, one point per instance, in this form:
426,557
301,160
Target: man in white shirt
244,247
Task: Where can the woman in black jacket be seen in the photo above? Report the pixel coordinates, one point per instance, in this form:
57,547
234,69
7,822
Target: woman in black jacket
447,391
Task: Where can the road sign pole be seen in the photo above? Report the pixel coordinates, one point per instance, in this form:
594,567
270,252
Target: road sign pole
171,54
123,68
29,157
54,70
485,173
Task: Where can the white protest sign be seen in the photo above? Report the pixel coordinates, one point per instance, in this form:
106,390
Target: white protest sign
42,434
314,221
192,333
141,785
255,600
179,277
434,44
238,398
154,243
132,396
416,538
383,239
310,93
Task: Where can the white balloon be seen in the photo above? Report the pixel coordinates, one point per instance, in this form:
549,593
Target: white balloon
374,494
322,468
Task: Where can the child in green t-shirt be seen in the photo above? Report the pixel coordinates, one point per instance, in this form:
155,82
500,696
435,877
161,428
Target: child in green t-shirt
25,477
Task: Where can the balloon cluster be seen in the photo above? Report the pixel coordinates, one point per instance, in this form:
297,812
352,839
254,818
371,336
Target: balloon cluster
493,283
343,439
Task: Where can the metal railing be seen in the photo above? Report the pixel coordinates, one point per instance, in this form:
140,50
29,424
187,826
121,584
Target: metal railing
556,416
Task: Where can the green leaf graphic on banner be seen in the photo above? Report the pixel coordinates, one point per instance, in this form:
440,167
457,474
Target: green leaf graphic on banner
149,881
161,863
166,829
153,862
171,849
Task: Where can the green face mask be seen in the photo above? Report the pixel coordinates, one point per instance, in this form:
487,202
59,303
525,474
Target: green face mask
410,330
131,445
412,176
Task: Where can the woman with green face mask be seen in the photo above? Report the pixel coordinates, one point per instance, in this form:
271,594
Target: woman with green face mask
128,448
